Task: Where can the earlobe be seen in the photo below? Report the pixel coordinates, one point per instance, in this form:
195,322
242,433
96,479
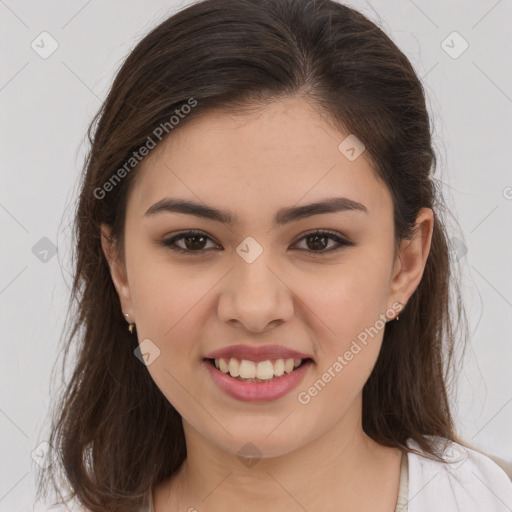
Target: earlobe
117,269
412,257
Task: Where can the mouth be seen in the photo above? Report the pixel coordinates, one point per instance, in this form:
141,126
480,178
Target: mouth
257,381
245,370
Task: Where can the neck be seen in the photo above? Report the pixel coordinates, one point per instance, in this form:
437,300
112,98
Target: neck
340,466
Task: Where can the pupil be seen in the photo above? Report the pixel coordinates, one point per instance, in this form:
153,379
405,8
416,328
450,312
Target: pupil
193,237
316,238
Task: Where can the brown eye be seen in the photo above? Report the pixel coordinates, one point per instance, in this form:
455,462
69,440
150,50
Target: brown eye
318,241
193,242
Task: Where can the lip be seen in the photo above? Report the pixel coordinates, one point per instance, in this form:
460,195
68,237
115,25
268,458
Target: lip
258,391
257,354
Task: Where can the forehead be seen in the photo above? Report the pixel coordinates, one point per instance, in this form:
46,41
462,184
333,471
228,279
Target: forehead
283,154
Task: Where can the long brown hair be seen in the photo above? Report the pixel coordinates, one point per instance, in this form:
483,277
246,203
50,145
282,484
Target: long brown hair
114,435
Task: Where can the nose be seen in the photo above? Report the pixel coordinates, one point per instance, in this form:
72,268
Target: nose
256,296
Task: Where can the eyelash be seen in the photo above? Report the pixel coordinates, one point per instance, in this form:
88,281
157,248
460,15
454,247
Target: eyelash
170,242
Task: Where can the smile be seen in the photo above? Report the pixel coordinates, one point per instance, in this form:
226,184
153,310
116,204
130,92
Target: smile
256,381
256,371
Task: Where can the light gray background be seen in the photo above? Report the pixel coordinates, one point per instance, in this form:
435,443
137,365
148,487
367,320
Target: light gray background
47,105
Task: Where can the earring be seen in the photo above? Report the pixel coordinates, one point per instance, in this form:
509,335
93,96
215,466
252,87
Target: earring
131,325
397,317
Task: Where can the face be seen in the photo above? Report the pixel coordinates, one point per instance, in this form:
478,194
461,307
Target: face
264,279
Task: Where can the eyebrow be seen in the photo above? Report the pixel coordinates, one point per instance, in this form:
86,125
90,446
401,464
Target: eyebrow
283,216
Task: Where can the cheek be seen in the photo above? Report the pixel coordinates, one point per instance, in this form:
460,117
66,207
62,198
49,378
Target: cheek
348,323
174,304
168,297
344,299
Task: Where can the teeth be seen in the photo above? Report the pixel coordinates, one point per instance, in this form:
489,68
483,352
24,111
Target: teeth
223,367
279,367
247,369
234,368
288,365
262,370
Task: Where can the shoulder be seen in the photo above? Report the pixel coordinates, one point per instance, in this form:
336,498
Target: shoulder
468,480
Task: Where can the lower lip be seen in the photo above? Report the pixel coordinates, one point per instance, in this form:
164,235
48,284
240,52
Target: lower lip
257,391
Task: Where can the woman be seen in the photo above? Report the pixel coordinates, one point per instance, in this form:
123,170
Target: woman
258,208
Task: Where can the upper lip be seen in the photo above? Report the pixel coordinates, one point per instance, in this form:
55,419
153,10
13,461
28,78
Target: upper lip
259,353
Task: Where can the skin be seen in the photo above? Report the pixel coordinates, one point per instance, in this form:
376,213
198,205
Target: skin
314,456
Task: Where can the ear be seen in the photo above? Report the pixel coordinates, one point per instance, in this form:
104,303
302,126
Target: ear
412,258
117,271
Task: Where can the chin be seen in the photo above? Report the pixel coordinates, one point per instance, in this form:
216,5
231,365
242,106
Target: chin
259,439
251,450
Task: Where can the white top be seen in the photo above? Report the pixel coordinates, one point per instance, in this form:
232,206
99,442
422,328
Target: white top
403,489
468,482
